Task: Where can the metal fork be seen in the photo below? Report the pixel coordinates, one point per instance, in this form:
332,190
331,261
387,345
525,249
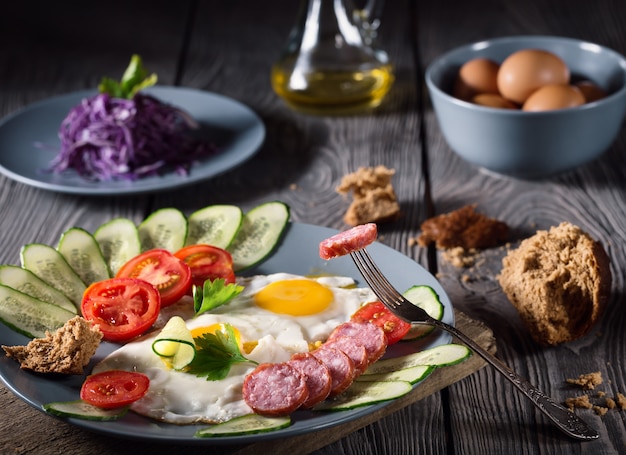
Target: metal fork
566,420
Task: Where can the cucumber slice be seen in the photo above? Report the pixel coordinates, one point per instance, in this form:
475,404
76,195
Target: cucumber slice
30,316
411,375
166,229
363,393
427,299
119,242
82,410
215,225
27,282
260,231
82,252
50,265
175,343
439,356
248,424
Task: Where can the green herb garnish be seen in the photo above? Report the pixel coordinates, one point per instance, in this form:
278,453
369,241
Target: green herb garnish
216,354
134,79
213,294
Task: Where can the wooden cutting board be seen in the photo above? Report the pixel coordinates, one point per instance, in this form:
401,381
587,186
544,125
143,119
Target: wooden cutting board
439,379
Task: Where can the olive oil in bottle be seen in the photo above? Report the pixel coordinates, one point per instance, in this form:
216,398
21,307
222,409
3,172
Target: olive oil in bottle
330,64
333,91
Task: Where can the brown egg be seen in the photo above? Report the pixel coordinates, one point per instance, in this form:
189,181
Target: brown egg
493,100
478,75
523,72
553,97
590,91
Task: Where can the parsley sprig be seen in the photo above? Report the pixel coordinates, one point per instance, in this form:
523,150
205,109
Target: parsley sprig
134,79
213,294
216,354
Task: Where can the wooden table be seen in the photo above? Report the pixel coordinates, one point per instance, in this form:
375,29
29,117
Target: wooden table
227,48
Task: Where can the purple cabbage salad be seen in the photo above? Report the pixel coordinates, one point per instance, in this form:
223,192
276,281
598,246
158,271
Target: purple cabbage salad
123,134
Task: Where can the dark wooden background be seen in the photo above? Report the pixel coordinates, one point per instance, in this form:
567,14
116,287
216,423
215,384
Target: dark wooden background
51,48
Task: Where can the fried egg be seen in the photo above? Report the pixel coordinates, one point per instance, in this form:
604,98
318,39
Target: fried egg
316,304
274,317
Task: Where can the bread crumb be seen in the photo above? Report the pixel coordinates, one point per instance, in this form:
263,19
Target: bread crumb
559,281
581,401
373,197
587,381
66,351
464,228
600,406
600,410
460,257
621,401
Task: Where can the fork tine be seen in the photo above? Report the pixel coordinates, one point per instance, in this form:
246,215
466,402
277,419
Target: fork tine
376,280
371,275
365,272
371,279
391,291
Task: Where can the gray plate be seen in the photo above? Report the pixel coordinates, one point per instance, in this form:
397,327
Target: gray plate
290,256
235,129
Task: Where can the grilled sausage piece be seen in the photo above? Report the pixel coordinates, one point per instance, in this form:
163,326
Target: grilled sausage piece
348,241
275,389
340,366
318,379
354,349
368,334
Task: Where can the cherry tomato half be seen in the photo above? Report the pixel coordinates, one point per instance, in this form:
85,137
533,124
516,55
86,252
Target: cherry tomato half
376,312
207,262
122,307
114,389
170,275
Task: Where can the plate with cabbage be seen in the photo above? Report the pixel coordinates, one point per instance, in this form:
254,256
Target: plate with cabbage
128,136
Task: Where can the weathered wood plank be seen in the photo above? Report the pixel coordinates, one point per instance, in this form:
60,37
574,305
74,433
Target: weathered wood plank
56,49
591,197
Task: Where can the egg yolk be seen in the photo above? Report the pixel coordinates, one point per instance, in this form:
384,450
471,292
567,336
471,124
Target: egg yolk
246,347
298,297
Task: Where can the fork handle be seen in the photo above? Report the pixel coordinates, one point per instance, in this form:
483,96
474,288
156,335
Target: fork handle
566,420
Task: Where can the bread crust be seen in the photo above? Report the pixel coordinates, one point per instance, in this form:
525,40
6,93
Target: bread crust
559,281
463,228
66,351
374,199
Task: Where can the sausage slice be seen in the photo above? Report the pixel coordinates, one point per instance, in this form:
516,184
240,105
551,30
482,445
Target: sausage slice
318,379
340,366
353,349
348,241
275,389
368,334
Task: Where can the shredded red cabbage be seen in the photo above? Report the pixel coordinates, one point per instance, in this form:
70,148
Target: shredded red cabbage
106,138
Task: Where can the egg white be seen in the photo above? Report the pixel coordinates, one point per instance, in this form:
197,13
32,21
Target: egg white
316,327
183,398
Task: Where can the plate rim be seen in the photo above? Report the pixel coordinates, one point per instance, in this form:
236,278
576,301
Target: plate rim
124,430
256,129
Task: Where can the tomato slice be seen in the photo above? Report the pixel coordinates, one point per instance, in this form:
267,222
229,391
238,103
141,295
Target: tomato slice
170,275
114,389
376,312
207,262
122,307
